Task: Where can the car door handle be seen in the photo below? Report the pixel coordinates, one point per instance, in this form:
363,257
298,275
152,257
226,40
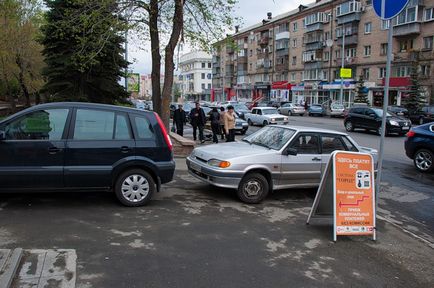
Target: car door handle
54,150
125,149
316,159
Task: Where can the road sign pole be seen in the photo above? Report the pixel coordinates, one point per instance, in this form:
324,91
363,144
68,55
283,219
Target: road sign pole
385,103
341,95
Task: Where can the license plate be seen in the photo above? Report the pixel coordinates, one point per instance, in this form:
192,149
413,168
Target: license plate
405,128
195,167
400,113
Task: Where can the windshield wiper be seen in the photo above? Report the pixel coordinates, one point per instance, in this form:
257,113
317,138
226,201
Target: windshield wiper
260,144
245,140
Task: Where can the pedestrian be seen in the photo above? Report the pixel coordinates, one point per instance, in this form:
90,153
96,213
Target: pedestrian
306,105
179,119
230,124
214,117
198,120
222,122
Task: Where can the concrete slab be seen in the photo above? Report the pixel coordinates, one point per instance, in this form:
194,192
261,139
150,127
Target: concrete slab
10,266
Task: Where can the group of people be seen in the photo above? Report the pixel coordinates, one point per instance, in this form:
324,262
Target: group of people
222,122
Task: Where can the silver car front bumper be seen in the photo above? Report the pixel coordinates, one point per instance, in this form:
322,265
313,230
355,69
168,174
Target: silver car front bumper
213,176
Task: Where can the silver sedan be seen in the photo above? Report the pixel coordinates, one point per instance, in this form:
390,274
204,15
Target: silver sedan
273,158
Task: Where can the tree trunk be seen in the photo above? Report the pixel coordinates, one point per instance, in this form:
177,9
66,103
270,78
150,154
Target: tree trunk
155,55
37,98
20,79
169,66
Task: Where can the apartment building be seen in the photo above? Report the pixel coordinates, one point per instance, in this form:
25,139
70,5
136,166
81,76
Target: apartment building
297,56
195,77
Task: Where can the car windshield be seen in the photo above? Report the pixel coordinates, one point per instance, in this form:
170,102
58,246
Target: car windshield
271,137
337,106
269,111
240,107
379,112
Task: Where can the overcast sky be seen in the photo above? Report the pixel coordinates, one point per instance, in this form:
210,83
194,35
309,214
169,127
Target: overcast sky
252,12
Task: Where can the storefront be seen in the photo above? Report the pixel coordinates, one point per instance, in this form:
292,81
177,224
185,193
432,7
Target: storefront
281,91
262,92
230,94
398,89
334,89
244,92
311,93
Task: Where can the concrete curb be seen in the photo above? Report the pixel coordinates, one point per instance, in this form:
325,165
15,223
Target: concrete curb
10,267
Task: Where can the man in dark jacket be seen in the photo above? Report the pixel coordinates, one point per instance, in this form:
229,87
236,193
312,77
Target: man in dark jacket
198,120
179,119
214,117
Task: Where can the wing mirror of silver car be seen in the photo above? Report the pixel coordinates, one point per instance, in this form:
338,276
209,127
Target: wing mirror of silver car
2,135
290,151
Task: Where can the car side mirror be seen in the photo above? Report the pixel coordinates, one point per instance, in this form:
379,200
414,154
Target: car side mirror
2,135
290,151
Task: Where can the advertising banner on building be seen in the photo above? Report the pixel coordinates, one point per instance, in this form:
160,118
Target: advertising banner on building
133,82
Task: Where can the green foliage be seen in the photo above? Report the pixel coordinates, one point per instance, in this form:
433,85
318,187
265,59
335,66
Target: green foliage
83,51
361,95
416,95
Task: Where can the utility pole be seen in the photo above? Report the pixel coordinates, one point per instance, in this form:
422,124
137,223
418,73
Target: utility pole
126,59
341,95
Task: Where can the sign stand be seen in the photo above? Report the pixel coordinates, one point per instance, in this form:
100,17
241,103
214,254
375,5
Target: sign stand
349,181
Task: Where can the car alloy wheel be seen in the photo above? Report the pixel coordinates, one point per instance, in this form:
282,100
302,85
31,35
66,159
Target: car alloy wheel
423,160
349,126
134,187
253,188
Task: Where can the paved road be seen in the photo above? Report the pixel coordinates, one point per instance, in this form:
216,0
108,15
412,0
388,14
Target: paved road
194,235
407,196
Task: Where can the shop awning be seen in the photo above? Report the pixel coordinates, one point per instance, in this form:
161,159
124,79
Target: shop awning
283,85
398,81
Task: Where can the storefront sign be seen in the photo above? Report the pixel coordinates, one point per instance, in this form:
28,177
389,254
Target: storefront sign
346,73
347,184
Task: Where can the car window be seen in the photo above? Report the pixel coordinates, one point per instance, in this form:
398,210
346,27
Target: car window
46,124
269,111
357,110
350,146
144,128
271,137
122,130
254,111
331,143
431,110
306,144
94,125
259,112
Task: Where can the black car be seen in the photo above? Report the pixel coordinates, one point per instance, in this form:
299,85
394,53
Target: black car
419,146
83,146
424,115
370,119
398,110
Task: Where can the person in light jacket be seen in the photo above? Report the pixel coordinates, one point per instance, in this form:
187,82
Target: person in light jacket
230,124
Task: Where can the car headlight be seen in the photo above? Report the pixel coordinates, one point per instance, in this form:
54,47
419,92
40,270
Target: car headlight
393,123
272,119
219,163
285,118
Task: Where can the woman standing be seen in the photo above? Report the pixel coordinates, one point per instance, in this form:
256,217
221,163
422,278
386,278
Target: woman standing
230,124
214,117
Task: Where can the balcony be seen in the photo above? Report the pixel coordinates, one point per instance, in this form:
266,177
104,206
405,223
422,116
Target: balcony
319,26
349,61
314,46
406,57
242,59
263,54
349,40
313,65
216,64
348,18
407,29
282,52
216,71
282,35
282,67
229,68
229,49
263,41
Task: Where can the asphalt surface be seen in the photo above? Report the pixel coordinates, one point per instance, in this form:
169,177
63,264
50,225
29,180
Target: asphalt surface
407,196
194,235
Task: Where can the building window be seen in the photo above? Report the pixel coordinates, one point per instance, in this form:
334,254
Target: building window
407,16
250,53
250,66
326,56
382,72
338,54
383,49
368,28
295,26
294,43
294,60
203,74
209,65
367,50
203,86
351,52
425,70
402,71
428,43
405,45
429,14
293,76
385,24
203,65
368,2
209,86
326,35
365,73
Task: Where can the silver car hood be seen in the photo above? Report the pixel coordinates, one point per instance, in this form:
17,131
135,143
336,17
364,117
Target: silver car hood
226,151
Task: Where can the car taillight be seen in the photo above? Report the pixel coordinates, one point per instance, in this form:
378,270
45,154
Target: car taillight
164,131
410,134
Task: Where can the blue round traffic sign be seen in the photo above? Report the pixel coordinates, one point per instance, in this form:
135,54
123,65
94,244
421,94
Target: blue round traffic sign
387,9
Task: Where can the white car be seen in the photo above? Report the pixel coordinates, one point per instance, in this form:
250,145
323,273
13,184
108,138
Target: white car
264,116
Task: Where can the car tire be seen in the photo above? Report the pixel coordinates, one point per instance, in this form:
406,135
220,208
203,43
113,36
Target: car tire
134,188
349,126
249,122
265,123
253,188
310,114
243,132
423,160
289,113
420,122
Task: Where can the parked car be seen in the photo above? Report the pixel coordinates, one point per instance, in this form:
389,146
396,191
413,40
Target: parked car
275,157
291,109
337,110
316,109
424,115
398,110
241,110
419,146
241,126
370,119
140,105
264,116
83,146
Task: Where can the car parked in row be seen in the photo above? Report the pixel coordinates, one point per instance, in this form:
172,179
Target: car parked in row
83,146
316,110
419,146
264,116
424,115
291,109
362,117
336,110
274,158
398,110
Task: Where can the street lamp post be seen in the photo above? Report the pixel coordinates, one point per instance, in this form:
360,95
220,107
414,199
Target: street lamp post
341,95
126,59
